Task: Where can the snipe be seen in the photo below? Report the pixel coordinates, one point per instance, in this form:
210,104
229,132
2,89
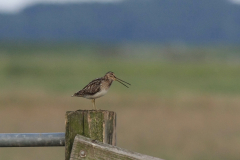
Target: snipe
99,87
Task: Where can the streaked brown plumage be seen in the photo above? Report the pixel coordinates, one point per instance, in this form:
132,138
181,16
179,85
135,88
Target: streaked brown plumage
98,87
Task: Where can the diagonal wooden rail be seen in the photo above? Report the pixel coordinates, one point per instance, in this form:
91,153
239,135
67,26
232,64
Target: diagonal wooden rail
87,149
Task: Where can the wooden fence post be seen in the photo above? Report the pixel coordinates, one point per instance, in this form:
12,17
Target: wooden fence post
96,124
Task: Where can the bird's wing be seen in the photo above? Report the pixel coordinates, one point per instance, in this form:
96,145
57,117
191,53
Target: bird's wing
90,89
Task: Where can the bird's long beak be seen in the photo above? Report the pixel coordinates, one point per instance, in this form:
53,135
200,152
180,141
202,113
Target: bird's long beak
122,82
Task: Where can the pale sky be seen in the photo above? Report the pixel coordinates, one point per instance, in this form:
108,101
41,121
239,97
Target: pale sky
14,6
235,1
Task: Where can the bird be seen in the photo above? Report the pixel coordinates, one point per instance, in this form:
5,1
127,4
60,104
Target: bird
99,87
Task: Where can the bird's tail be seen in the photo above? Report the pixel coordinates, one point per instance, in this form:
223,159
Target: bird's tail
77,95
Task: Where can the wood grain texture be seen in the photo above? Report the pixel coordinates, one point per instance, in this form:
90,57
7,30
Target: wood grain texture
87,149
74,126
95,124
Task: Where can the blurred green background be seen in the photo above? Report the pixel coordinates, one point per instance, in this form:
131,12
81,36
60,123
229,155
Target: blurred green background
182,59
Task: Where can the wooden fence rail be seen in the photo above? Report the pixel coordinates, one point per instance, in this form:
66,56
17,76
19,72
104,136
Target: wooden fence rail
87,149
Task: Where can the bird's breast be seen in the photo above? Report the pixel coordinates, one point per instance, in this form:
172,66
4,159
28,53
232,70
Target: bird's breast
101,93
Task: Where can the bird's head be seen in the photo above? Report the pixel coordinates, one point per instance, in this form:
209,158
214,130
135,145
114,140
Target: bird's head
110,75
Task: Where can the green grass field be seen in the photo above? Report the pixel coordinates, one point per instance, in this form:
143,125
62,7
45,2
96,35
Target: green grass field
183,110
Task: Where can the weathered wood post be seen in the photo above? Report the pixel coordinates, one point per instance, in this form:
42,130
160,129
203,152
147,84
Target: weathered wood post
96,124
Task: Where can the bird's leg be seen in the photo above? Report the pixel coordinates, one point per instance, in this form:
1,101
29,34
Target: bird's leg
94,104
93,101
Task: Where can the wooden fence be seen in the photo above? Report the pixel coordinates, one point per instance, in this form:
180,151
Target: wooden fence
89,135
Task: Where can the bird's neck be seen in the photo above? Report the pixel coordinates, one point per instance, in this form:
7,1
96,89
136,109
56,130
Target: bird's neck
108,81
